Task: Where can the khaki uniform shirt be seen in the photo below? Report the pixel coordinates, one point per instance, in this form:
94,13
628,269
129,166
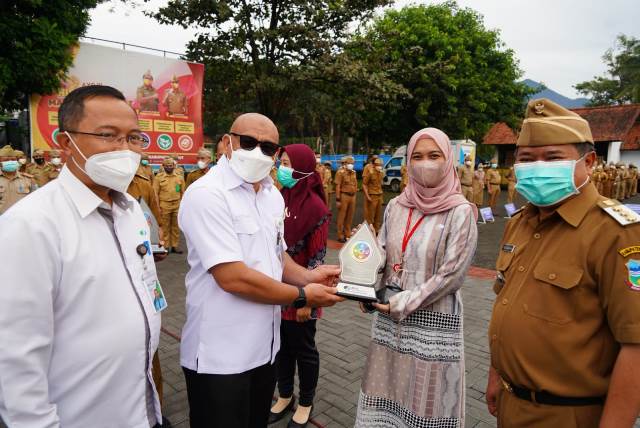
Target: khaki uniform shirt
194,175
405,177
147,171
52,172
567,299
169,188
15,188
346,181
373,182
39,173
147,105
327,180
466,175
141,187
176,102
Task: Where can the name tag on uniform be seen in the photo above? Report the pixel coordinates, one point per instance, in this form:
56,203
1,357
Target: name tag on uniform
155,293
508,248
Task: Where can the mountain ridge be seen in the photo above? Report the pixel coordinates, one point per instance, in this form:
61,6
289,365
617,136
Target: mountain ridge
554,96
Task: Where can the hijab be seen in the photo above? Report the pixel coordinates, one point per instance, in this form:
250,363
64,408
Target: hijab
305,200
447,194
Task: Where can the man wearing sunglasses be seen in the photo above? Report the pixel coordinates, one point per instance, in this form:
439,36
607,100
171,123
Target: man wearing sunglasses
233,220
78,325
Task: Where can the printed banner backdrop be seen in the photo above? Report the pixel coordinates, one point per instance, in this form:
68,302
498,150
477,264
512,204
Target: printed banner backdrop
166,93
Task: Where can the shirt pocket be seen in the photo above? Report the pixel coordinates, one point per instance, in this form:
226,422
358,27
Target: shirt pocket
553,295
502,266
245,225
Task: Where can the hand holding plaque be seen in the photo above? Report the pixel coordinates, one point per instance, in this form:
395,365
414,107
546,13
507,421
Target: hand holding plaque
360,260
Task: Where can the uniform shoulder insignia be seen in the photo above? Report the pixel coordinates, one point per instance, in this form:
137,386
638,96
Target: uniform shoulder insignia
620,212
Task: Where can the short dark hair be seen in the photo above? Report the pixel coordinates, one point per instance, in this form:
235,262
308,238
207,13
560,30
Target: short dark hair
72,108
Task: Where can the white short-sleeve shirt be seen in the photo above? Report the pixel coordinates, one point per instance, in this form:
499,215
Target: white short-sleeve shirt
224,220
78,328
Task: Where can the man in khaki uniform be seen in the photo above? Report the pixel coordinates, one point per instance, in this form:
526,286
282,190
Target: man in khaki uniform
14,185
204,161
369,166
608,184
628,182
565,329
146,95
493,179
38,168
372,188
174,99
478,186
634,179
327,181
169,187
145,167
52,170
618,185
346,188
465,173
404,177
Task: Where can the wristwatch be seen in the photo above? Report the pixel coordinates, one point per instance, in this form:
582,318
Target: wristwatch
301,300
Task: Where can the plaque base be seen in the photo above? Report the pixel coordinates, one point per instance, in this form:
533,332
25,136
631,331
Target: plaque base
361,293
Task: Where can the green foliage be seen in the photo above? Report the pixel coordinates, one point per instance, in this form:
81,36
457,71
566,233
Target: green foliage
36,40
621,84
460,76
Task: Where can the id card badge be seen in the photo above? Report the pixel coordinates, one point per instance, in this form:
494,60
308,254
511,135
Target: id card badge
156,295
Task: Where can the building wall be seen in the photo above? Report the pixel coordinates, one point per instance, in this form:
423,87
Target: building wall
630,156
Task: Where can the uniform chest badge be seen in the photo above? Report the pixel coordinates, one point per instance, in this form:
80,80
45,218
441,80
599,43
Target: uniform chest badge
633,274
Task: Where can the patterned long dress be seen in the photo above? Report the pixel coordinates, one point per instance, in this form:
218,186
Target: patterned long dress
415,367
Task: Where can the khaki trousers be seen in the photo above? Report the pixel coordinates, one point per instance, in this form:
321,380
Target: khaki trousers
494,192
170,224
467,192
345,215
373,211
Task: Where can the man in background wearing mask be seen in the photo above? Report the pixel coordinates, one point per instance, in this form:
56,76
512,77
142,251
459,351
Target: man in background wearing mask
78,325
493,179
511,186
14,185
204,161
327,183
52,170
478,186
145,167
346,187
233,220
169,187
565,328
465,173
372,189
178,169
37,168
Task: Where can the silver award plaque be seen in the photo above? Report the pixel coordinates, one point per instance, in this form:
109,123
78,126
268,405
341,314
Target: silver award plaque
360,260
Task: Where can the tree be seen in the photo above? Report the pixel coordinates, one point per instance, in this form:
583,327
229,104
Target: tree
36,40
460,75
259,54
621,83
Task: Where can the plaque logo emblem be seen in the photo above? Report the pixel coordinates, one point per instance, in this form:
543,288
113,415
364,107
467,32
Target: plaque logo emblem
361,251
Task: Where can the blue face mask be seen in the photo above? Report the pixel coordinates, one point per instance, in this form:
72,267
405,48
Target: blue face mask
285,176
546,184
144,162
10,166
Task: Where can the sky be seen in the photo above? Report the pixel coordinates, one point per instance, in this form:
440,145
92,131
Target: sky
558,42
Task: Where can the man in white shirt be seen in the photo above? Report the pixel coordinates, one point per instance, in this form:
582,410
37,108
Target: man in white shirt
233,220
78,326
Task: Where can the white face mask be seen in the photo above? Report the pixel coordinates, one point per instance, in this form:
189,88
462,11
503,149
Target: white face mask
22,161
379,168
202,164
317,160
252,166
56,161
114,170
350,166
468,163
426,173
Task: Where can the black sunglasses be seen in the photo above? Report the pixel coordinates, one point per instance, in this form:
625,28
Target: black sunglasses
247,142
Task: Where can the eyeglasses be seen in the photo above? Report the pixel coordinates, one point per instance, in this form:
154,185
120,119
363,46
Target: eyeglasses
247,142
110,137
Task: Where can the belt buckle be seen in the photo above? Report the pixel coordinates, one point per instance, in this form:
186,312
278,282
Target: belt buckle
506,386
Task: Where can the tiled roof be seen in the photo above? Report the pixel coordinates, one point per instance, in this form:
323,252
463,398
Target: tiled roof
610,123
500,133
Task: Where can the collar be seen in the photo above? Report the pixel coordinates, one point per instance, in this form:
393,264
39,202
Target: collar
83,198
575,209
233,180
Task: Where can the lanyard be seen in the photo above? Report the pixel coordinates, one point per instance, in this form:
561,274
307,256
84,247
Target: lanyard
408,233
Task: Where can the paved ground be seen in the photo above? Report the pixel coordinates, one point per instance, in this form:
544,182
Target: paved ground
343,336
